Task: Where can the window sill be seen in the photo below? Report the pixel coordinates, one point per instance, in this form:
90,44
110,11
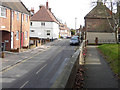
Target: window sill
3,16
17,39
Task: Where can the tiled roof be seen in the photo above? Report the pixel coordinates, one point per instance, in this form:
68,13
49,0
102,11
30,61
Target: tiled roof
100,11
16,5
44,15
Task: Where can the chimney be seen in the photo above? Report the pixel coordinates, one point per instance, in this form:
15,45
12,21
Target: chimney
32,10
47,7
50,9
40,6
99,2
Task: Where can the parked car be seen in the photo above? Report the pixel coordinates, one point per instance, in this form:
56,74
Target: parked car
74,41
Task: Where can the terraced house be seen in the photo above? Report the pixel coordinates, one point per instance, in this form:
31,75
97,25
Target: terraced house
64,31
14,25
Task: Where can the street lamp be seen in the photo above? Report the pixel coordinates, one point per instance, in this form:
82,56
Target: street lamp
75,25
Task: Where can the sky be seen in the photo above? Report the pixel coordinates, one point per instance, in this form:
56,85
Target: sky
65,10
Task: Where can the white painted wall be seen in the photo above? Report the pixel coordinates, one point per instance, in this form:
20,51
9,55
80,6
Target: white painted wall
41,31
102,37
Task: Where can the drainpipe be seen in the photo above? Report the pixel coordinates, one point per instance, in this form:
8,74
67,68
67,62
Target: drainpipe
10,26
21,32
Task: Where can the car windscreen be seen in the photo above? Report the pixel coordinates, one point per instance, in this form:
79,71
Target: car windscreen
74,38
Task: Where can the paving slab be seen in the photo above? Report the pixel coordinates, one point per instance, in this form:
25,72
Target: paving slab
99,74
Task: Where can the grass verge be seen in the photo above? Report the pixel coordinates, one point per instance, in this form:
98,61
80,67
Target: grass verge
112,55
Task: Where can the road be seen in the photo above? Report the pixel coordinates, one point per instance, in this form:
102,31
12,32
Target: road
40,70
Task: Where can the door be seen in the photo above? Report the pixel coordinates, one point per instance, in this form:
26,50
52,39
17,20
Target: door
11,40
22,34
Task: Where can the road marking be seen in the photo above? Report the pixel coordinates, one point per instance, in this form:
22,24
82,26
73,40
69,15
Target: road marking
24,84
41,69
4,70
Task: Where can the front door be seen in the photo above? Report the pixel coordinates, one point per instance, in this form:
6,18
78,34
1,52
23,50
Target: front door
11,40
22,34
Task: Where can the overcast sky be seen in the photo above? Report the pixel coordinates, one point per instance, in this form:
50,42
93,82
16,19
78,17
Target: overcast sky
66,10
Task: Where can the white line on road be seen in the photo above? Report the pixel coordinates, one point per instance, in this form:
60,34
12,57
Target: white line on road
41,69
24,84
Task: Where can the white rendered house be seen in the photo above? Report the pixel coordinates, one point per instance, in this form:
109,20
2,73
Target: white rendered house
44,24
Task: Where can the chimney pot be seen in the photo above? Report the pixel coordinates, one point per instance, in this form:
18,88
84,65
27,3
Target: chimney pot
40,6
47,7
50,9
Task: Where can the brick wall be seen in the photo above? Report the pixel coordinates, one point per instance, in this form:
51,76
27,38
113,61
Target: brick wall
16,26
5,21
98,25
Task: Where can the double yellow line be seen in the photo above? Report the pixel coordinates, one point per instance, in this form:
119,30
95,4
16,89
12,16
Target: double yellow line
24,60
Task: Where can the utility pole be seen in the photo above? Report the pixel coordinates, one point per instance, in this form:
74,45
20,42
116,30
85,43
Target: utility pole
75,26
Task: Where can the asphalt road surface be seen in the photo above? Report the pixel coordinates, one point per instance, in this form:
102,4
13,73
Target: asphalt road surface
40,70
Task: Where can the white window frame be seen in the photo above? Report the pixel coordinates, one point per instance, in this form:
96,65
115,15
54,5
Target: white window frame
12,15
17,35
5,12
17,15
42,23
26,35
22,17
32,31
26,18
48,32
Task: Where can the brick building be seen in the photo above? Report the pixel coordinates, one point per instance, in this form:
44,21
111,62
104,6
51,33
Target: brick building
64,31
97,24
14,25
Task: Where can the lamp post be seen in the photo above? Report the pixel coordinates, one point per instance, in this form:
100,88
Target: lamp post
75,26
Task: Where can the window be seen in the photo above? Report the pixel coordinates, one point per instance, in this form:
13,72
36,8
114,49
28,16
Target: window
31,23
22,17
17,35
48,32
26,35
32,30
3,12
12,15
43,24
66,31
26,18
17,15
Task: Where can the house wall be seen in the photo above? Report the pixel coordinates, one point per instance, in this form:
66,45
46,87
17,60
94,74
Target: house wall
102,37
16,26
98,25
41,31
5,21
56,30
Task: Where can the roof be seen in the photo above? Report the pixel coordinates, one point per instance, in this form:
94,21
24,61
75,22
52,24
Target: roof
44,14
100,11
63,27
16,5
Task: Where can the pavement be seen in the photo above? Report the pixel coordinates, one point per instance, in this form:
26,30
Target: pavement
11,58
99,74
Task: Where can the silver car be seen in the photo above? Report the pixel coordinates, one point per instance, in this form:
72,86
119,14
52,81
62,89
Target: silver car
74,41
